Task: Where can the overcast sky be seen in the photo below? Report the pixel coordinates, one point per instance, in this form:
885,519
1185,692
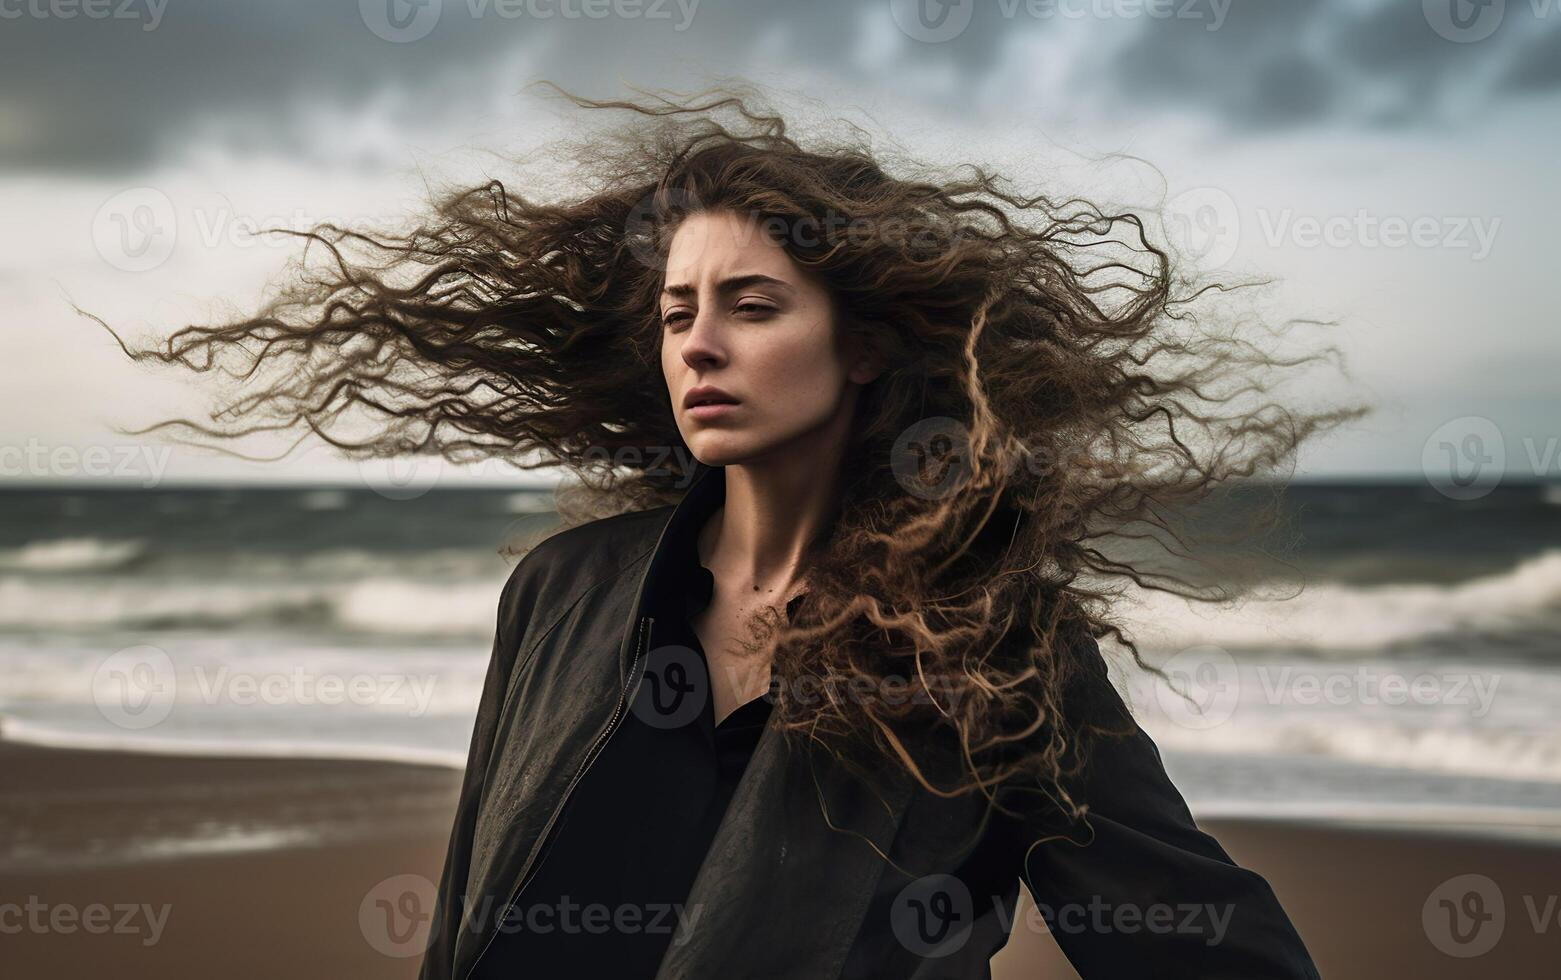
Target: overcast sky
1392,163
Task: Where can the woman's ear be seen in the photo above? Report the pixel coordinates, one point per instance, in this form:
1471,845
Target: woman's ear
867,372
865,360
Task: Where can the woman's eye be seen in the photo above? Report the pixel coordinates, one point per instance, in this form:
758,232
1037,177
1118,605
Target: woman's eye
748,309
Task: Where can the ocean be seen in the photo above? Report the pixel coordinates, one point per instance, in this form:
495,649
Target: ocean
1415,678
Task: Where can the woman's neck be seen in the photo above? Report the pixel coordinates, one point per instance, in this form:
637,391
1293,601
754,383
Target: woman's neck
758,537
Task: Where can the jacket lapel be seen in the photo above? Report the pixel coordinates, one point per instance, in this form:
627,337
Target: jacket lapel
775,850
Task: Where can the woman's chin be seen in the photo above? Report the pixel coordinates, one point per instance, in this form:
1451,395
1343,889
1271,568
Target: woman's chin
719,455
725,448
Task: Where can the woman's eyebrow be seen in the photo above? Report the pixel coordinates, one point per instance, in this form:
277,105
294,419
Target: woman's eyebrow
683,290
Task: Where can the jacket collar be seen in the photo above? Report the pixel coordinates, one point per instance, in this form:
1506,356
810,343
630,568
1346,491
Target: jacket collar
706,493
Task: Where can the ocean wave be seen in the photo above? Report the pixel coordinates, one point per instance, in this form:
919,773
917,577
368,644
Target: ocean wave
236,746
371,606
443,680
1491,753
454,593
466,609
1349,618
71,555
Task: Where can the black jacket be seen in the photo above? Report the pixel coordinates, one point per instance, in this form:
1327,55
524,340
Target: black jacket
793,886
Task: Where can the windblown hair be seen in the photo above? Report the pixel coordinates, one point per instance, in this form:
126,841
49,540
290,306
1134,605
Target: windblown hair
1049,403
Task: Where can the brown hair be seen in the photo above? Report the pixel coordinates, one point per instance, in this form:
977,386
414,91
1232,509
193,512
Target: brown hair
1050,402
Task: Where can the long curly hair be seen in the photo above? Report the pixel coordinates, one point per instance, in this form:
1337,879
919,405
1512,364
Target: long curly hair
1050,403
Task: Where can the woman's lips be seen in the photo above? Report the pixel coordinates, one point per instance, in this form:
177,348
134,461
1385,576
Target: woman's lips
712,410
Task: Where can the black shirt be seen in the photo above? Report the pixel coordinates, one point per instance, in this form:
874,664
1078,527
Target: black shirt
610,889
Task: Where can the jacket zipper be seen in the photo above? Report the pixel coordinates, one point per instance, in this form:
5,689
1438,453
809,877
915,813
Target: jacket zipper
646,623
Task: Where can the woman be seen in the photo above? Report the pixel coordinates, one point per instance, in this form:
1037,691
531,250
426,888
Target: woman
824,686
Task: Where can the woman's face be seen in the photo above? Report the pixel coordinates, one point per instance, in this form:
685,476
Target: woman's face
738,314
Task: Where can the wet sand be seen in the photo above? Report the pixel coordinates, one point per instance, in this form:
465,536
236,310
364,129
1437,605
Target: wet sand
130,865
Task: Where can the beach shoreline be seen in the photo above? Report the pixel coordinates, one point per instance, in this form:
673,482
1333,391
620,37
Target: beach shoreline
138,865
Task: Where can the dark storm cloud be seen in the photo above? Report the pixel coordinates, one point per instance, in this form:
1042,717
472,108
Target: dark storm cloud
1276,63
107,94
118,89
1250,71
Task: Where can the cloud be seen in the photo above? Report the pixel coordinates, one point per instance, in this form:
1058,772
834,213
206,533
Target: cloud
107,95
113,96
1282,63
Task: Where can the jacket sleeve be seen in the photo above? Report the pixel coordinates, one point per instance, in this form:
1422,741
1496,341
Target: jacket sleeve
439,958
1135,889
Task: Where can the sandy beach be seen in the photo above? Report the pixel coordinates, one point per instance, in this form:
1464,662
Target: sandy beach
160,866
